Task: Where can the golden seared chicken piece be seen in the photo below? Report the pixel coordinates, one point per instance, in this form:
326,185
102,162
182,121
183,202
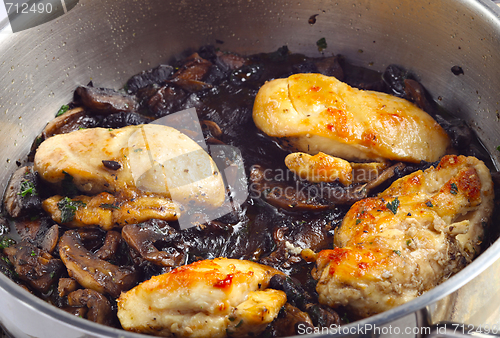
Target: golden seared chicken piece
421,230
107,211
326,168
144,167
210,298
315,113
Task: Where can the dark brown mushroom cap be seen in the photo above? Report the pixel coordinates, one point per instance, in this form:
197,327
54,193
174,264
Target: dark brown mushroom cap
72,120
104,100
99,307
142,238
34,266
91,271
21,195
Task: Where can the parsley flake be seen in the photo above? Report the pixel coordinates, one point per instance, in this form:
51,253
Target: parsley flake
453,188
6,242
397,252
27,188
321,43
64,108
68,208
393,206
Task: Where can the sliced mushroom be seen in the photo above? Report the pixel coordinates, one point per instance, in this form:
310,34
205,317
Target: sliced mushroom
74,119
166,99
99,307
34,266
21,196
110,246
41,232
66,286
142,238
303,195
330,67
104,100
92,272
289,320
145,78
282,194
320,315
190,75
230,61
123,119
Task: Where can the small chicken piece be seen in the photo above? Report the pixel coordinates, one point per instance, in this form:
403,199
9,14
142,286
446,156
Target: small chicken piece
108,212
320,167
421,230
210,298
326,168
315,113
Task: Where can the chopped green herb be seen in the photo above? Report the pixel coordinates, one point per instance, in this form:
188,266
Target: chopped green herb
397,252
6,242
429,204
68,186
358,221
498,148
6,260
27,188
52,274
453,188
345,319
408,242
64,108
137,150
109,206
33,253
321,43
239,324
231,318
393,206
68,208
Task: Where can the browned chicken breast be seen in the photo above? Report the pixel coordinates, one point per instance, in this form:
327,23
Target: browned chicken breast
421,230
210,298
141,170
314,113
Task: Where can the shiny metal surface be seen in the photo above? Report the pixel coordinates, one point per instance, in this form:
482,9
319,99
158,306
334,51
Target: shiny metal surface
107,41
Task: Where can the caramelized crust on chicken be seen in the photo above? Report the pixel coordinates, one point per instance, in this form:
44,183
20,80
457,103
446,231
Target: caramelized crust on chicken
210,298
314,113
414,235
106,211
326,168
149,158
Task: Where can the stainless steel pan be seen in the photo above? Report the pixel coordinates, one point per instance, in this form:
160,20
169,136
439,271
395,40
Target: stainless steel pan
107,41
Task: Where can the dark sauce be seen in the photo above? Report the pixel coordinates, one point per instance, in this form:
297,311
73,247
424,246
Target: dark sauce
222,87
